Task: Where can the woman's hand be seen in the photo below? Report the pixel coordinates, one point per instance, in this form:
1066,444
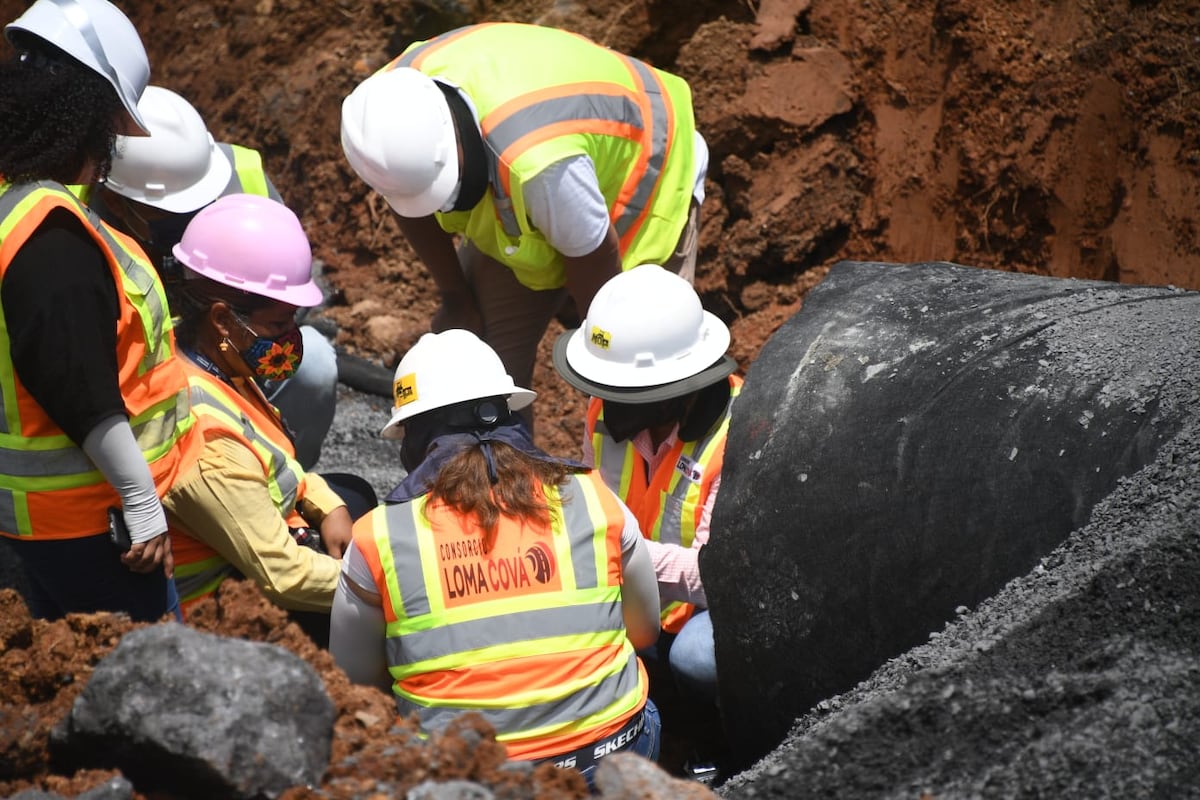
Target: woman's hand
336,531
147,556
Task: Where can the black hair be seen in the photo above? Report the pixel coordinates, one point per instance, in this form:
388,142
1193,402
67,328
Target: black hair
59,115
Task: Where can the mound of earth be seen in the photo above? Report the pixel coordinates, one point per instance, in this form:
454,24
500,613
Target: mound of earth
1058,139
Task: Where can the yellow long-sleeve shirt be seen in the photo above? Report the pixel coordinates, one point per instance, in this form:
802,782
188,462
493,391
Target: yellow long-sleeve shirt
223,501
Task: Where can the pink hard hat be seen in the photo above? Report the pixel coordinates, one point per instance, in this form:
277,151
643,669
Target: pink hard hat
252,243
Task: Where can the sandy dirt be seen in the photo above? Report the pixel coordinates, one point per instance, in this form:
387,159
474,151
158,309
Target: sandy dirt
1056,139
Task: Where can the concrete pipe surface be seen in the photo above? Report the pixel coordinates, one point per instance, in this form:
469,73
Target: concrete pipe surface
914,438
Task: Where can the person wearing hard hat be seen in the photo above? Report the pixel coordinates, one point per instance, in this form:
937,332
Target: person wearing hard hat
660,402
496,578
557,161
96,422
157,185
246,504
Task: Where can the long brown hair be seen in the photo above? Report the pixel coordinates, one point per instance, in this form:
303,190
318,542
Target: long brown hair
463,485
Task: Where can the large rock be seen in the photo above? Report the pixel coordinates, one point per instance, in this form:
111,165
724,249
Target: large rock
195,715
914,438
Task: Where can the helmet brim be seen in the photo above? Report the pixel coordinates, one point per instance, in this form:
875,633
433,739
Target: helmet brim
183,201
722,368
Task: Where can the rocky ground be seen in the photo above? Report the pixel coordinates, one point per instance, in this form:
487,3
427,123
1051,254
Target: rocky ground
1057,139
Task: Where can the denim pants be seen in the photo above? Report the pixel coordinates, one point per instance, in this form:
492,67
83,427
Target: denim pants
691,656
646,745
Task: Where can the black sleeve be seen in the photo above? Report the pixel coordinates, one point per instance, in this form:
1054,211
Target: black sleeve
61,307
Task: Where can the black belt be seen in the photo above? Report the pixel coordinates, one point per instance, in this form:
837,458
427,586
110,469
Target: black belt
588,755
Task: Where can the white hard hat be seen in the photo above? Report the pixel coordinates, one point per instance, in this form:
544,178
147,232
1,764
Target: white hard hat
178,167
98,35
446,368
645,338
398,135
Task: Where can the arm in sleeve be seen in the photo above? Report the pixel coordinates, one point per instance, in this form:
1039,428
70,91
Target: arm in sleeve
639,589
225,503
678,568
357,629
112,448
566,205
317,498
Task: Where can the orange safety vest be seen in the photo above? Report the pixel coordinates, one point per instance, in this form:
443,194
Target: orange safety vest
223,412
530,635
49,488
669,504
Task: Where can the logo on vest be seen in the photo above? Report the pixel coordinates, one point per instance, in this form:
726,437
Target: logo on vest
541,562
469,575
690,469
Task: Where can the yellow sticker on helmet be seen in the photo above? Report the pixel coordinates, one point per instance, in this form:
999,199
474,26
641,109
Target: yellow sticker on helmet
404,389
601,338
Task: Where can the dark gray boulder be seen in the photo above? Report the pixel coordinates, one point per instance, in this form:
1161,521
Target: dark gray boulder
917,436
191,714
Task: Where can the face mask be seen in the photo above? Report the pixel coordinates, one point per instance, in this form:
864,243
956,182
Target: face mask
274,359
625,420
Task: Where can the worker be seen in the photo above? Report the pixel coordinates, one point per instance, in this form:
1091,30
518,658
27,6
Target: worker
247,506
557,161
657,418
156,186
96,414
497,578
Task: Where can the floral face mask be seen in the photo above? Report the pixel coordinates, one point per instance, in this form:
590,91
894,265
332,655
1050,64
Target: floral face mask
274,359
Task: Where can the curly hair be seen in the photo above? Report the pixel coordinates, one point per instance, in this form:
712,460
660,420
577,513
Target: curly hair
59,115
463,484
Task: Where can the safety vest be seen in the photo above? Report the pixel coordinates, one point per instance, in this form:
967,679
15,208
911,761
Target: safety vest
223,412
530,635
249,176
668,504
634,121
49,488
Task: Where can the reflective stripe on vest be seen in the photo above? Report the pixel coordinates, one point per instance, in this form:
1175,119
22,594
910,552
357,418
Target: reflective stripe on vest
49,488
216,403
199,569
669,504
249,176
457,618
628,117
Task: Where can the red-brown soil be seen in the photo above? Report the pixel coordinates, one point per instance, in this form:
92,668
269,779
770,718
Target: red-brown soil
1051,138
1055,138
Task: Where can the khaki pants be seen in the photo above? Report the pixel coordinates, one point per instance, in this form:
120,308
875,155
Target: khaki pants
515,317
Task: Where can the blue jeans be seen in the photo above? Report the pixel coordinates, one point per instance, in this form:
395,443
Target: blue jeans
693,658
307,400
647,744
86,574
